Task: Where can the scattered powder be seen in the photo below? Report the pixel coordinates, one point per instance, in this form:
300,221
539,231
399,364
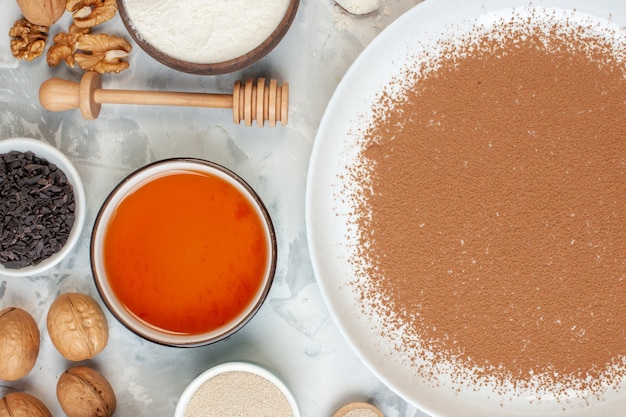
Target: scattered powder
238,393
375,19
205,31
359,7
490,209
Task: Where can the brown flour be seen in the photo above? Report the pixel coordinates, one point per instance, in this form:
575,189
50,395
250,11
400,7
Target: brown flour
492,216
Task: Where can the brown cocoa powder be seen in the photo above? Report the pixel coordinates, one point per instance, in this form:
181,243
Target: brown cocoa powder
491,210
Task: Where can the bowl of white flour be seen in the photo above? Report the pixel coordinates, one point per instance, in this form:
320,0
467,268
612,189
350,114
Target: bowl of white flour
207,36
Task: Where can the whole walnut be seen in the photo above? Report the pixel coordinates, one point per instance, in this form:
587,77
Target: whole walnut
19,343
77,326
20,404
84,392
42,12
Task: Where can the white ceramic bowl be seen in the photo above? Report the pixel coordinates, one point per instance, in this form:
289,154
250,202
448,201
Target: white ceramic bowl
119,306
259,370
53,155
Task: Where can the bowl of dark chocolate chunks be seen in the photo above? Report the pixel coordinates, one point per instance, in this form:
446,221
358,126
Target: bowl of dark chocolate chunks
42,206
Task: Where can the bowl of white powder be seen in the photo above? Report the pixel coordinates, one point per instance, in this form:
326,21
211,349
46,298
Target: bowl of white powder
207,37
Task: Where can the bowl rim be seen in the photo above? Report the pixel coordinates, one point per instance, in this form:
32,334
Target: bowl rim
233,366
216,68
136,179
45,150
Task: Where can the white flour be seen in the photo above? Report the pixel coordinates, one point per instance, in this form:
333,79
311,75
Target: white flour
205,31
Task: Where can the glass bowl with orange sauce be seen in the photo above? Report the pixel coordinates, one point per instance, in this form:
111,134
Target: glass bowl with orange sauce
183,252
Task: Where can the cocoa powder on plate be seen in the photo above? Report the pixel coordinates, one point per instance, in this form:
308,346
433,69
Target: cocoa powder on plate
492,216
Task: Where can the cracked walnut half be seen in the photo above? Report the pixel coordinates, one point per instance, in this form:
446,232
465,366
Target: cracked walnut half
28,41
102,53
92,52
65,46
89,13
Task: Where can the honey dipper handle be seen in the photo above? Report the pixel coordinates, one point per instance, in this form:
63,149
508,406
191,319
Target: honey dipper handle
58,95
164,98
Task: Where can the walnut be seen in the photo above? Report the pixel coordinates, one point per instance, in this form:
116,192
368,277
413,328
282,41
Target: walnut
42,12
19,343
77,326
84,392
89,13
21,404
28,41
65,45
102,53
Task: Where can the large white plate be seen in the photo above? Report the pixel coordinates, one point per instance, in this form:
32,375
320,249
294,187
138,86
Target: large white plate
327,228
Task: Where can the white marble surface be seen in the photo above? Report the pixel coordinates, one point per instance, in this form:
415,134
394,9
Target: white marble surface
293,333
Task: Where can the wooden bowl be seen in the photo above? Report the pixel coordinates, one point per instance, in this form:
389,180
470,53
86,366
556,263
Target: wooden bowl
212,68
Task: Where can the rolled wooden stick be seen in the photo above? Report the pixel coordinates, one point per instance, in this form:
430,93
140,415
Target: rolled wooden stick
248,102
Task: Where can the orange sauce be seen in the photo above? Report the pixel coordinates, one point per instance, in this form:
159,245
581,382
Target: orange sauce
185,252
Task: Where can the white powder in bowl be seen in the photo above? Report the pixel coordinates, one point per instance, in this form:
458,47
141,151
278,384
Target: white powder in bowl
205,31
238,393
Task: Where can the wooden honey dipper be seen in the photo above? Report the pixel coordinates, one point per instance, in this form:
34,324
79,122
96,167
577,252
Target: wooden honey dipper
249,101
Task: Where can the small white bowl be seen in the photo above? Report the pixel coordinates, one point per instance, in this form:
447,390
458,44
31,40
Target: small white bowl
53,155
236,366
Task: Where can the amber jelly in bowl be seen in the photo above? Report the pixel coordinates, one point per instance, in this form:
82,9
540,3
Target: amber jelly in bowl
183,252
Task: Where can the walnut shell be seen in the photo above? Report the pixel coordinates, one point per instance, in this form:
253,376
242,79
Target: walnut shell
84,392
42,12
77,326
20,404
19,343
